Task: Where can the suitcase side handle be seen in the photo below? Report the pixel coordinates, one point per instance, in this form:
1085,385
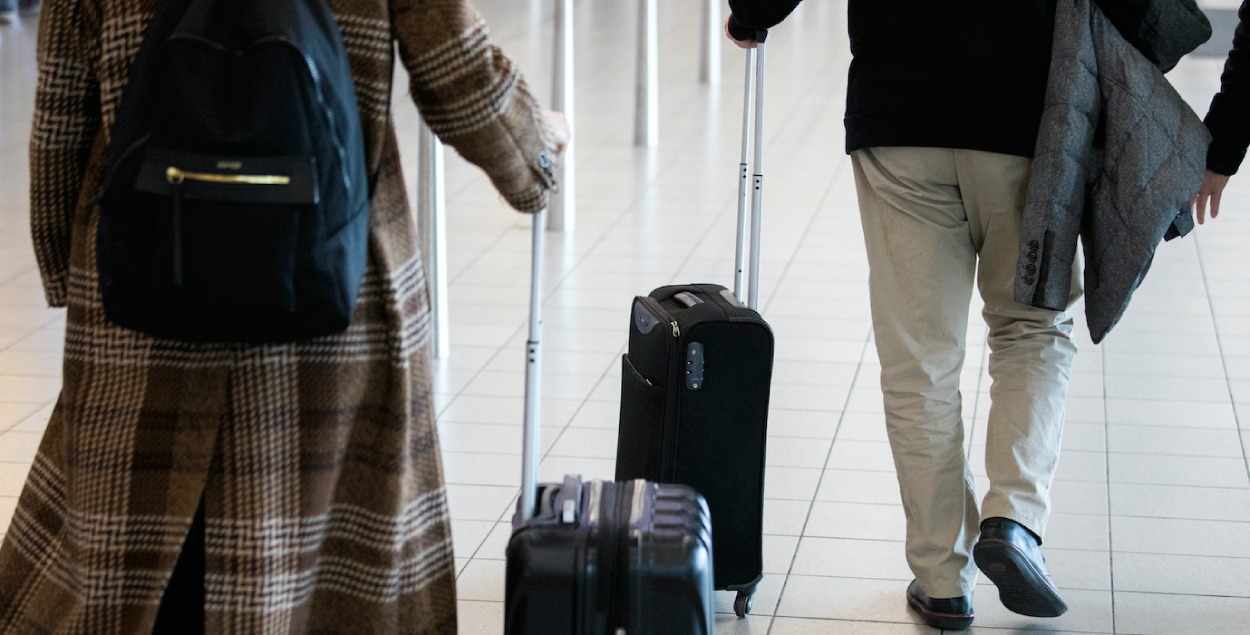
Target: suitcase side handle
569,500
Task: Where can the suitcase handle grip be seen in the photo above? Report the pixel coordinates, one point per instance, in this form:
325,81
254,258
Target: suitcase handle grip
687,298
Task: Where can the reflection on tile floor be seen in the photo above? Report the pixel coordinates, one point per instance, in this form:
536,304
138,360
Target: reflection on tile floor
1152,505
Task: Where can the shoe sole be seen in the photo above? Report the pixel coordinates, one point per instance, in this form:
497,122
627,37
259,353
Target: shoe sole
1021,587
946,621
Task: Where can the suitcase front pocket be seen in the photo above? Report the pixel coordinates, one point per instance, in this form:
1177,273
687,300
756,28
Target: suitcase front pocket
640,439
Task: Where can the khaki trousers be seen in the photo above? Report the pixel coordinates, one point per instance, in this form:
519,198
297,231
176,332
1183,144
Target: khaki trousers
935,220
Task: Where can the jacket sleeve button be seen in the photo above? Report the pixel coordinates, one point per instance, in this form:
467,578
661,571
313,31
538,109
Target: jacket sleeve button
1028,280
1031,268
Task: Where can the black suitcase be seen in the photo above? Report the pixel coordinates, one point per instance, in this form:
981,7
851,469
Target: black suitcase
694,410
695,387
597,557
600,556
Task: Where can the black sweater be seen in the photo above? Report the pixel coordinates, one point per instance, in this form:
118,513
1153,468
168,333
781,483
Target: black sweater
965,74
1229,116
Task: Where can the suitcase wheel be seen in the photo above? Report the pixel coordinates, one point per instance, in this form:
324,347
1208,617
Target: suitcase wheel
743,603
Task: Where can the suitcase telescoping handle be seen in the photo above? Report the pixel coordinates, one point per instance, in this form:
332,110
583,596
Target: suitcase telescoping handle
533,375
533,348
752,103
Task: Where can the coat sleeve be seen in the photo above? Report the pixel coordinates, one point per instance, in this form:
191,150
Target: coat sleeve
1054,206
66,121
474,99
748,16
1229,116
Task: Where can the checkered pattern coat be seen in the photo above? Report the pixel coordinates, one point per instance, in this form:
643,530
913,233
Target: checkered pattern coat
317,461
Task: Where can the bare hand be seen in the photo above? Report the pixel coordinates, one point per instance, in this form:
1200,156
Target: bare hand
1210,191
742,44
560,130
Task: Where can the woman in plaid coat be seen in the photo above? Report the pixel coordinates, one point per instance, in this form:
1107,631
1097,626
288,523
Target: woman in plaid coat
314,465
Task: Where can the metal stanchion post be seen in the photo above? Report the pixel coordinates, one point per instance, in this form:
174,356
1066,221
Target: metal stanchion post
709,53
647,105
432,217
562,213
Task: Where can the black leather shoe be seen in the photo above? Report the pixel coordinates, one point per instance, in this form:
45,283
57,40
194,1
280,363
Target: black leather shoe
954,614
1007,553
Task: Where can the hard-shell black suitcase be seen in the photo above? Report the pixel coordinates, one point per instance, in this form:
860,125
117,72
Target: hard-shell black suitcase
593,558
695,387
600,556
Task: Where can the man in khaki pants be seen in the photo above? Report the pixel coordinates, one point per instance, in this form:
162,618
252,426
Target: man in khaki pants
943,108
934,220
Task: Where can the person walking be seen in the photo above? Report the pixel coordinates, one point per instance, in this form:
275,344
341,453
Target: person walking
1228,120
279,488
942,111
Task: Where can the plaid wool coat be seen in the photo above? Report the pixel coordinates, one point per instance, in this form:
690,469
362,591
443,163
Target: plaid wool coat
317,462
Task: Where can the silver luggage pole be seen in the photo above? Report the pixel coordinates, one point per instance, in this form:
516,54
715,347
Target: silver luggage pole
757,192
744,171
533,376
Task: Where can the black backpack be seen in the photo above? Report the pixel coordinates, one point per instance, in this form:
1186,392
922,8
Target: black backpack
235,204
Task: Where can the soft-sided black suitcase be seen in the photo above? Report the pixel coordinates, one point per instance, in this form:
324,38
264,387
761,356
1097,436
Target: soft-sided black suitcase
695,386
596,557
694,410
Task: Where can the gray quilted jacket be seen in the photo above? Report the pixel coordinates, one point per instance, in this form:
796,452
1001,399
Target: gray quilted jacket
1119,154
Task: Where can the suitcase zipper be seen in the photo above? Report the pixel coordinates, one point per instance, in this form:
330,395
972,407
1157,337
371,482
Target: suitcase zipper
668,455
659,311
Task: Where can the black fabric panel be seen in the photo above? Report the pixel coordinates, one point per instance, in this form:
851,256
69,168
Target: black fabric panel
938,74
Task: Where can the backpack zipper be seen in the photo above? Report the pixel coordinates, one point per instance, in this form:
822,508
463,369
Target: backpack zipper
176,176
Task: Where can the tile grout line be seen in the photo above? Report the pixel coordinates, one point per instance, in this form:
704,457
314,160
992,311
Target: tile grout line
1106,442
1219,342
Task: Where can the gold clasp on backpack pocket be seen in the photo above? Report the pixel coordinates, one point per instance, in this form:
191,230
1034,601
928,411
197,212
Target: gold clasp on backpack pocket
176,176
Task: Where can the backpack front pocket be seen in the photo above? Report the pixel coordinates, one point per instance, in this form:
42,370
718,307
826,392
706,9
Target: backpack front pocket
226,230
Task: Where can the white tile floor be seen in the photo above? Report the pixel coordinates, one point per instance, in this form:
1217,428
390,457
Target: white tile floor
1151,530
